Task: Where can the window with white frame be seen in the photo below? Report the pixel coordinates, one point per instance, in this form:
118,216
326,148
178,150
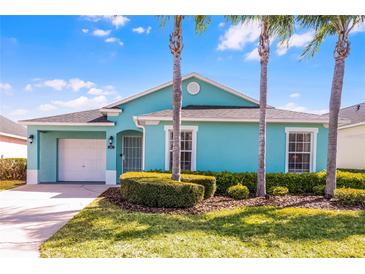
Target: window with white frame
301,150
188,148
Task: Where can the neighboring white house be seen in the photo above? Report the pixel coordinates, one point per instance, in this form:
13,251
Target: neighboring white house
13,139
351,138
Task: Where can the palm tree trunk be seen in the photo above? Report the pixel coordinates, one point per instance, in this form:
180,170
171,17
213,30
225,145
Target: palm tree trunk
264,54
176,48
341,52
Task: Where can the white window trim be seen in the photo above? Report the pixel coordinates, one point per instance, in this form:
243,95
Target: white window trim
314,132
194,130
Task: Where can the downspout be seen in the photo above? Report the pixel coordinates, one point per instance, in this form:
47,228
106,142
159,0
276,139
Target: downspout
136,121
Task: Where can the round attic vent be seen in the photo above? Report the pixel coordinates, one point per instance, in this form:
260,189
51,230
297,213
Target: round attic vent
193,88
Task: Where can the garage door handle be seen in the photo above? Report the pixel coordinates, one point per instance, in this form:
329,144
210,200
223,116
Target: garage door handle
83,166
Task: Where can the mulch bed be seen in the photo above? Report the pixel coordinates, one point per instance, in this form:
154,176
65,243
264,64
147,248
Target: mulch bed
223,202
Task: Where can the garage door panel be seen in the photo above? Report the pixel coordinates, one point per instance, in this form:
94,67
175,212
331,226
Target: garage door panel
81,160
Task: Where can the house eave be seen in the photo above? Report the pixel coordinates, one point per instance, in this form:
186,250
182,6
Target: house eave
352,125
13,136
141,118
102,124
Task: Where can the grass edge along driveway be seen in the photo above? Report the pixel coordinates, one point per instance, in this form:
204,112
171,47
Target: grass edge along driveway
9,184
104,230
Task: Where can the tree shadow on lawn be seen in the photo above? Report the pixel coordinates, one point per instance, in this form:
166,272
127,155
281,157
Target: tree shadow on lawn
105,223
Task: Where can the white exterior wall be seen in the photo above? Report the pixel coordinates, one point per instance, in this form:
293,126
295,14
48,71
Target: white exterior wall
11,150
351,147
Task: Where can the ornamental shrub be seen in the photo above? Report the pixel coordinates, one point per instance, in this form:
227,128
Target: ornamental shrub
157,190
238,192
13,169
350,196
319,190
278,191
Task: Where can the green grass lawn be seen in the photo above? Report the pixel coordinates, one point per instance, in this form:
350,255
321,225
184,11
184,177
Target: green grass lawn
4,185
104,230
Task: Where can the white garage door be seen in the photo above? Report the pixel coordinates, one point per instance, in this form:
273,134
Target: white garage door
81,160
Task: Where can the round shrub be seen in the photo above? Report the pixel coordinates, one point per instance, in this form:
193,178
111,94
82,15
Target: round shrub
319,189
238,192
279,190
153,190
350,196
13,168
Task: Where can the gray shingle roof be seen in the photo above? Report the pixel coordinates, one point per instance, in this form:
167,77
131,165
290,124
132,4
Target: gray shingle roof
238,114
10,127
355,114
88,116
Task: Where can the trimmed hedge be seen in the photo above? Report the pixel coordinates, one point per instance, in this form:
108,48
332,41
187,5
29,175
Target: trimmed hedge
297,183
209,183
238,192
13,169
350,196
352,170
158,190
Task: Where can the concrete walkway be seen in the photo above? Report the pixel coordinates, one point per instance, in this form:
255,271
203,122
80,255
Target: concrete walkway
31,214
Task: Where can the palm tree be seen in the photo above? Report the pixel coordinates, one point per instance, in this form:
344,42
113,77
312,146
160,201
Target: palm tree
323,27
176,46
271,26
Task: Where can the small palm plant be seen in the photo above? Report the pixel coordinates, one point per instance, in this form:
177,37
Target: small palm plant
324,26
271,27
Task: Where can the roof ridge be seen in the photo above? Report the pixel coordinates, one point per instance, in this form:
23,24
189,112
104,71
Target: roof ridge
363,103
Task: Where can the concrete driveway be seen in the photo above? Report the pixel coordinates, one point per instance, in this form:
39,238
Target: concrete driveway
31,214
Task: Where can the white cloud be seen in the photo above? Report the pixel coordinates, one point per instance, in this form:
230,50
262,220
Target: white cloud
76,84
47,107
116,20
114,40
237,36
294,95
119,20
359,28
85,30
28,87
295,107
57,84
5,86
19,112
253,55
101,33
82,102
106,90
297,40
141,30
221,25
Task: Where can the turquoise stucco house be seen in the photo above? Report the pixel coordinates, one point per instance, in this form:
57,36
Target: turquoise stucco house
219,132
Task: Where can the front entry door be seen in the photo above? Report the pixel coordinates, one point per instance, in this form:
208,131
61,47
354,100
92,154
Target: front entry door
132,153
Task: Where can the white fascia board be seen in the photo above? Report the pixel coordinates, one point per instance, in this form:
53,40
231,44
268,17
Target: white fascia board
196,75
141,118
13,136
110,124
110,111
353,125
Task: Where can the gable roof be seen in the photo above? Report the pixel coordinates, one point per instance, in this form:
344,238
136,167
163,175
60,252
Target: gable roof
355,114
11,128
235,114
83,118
191,75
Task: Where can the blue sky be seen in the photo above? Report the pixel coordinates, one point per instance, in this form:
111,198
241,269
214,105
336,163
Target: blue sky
58,64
